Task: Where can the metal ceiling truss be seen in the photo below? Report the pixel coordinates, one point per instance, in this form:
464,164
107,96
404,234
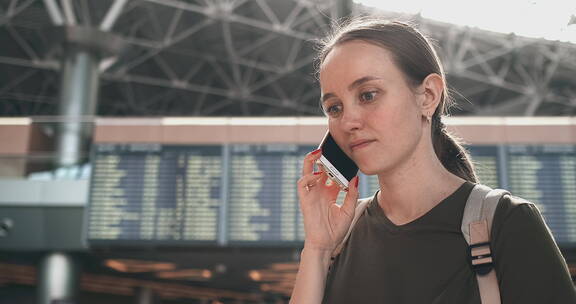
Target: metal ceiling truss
254,57
517,75
234,77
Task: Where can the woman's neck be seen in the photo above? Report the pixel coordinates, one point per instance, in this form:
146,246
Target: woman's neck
413,188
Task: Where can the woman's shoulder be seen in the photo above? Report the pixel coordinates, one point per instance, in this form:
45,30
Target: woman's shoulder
516,214
519,238
511,205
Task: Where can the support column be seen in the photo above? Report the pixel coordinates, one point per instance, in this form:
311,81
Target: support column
77,108
145,295
59,279
82,50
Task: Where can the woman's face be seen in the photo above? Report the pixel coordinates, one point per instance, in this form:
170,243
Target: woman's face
373,114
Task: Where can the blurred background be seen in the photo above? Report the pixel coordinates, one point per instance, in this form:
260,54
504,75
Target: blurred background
149,149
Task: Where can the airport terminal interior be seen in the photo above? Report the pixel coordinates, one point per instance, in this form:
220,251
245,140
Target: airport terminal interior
150,149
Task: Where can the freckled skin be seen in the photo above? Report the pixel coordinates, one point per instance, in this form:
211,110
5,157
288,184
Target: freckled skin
391,116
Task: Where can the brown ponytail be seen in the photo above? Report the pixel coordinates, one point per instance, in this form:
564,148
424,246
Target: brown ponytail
414,55
451,153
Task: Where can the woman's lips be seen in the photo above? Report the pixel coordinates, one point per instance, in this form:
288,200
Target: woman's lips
360,144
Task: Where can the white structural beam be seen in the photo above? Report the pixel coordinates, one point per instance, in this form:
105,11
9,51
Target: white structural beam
17,80
41,64
69,15
14,10
210,12
112,15
231,51
54,12
25,45
197,88
154,51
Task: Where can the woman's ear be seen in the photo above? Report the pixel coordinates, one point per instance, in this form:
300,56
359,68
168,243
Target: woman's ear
433,87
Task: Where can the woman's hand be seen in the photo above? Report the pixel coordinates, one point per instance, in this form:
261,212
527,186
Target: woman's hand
325,223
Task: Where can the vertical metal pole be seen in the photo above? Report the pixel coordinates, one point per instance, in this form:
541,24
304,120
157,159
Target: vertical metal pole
363,189
59,275
145,296
223,214
78,94
503,167
59,279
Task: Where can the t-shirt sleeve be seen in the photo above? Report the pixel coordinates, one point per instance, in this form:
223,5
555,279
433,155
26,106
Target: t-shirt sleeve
529,265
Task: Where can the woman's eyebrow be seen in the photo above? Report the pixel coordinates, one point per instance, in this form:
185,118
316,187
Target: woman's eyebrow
326,97
360,81
351,87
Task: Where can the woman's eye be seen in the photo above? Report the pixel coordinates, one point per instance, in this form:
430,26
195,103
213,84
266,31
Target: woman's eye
333,110
368,96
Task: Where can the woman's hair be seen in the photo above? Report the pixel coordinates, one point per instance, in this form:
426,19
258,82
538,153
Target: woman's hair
416,58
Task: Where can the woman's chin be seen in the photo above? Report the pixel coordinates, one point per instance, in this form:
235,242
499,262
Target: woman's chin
368,170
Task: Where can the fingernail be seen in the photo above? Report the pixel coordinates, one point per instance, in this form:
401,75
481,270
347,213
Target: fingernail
318,173
316,151
357,179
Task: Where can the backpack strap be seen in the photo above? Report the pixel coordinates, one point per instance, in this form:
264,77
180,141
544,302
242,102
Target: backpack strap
476,227
361,205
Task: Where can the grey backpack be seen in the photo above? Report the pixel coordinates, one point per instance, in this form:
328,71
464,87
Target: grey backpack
476,227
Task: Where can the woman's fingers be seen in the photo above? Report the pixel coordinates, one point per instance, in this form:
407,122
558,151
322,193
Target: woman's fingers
309,161
309,181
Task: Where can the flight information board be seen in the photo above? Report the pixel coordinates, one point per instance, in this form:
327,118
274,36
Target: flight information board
546,176
243,194
485,160
153,192
263,201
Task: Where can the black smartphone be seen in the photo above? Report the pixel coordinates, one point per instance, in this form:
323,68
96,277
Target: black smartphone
339,167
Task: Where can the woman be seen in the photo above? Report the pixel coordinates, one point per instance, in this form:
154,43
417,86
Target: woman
384,92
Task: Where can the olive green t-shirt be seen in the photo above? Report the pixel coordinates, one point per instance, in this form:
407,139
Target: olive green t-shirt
426,260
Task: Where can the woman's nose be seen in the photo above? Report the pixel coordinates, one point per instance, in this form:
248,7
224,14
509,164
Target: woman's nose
352,119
